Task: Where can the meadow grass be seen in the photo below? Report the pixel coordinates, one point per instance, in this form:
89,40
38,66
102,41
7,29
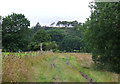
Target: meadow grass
85,64
19,69
15,69
39,68
60,73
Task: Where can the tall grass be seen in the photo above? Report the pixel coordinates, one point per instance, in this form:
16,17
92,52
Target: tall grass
84,63
15,69
38,68
19,69
44,72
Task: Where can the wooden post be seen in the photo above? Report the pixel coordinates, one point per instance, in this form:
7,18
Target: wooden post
41,47
25,53
33,53
29,53
36,53
19,55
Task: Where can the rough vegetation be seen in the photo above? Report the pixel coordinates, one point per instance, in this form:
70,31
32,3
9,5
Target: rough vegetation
53,67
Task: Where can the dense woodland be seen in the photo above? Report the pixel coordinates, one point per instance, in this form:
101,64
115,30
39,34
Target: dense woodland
65,38
99,35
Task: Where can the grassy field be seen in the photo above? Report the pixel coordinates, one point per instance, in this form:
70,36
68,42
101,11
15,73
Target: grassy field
52,67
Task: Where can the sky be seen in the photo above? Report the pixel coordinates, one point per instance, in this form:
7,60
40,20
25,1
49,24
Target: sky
47,11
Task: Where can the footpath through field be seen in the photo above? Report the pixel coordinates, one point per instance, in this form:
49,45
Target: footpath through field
53,67
69,68
59,69
56,70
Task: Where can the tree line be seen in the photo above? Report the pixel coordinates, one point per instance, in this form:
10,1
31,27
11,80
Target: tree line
17,36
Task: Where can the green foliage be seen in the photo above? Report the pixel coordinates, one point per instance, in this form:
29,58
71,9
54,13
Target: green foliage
64,37
50,46
56,35
36,27
14,28
102,34
74,24
41,36
17,35
34,46
70,43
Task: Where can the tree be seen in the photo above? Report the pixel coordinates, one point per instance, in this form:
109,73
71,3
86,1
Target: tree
45,46
58,23
56,35
41,36
70,43
64,23
52,24
75,24
50,46
36,27
68,23
14,29
103,35
33,46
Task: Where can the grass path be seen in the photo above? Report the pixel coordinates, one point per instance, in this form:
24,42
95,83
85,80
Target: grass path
70,67
54,67
88,79
56,70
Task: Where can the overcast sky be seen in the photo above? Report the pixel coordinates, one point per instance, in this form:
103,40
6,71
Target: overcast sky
47,11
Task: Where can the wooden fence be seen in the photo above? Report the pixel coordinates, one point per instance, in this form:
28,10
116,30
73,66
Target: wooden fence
22,54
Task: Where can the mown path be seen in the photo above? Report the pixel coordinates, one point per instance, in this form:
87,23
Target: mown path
88,79
58,69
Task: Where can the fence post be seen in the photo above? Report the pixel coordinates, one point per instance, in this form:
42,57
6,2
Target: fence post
33,53
4,54
25,53
29,53
41,47
19,55
39,52
36,53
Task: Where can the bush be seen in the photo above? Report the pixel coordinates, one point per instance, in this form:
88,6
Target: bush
45,46
50,46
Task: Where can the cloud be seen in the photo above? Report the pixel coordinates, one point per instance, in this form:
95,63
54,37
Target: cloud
47,11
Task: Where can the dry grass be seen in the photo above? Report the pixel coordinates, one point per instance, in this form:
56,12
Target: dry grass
85,64
15,69
26,68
